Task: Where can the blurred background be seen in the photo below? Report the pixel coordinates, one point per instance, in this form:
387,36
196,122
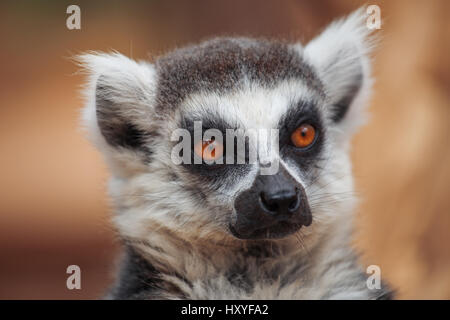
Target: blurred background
54,211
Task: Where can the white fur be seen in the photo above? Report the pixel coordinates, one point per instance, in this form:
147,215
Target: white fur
337,53
125,76
194,237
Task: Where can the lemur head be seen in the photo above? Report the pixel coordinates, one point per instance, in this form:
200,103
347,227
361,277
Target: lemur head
311,96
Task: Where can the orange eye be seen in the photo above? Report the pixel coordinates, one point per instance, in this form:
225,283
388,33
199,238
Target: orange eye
303,136
209,150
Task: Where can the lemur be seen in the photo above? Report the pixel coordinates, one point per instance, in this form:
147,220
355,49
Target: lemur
227,231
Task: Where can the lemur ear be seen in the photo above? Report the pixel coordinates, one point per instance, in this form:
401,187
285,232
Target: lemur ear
340,55
120,95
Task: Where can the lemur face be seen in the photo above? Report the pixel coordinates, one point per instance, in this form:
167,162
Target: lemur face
306,100
260,203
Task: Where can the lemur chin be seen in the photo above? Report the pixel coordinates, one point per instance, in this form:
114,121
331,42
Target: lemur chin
197,230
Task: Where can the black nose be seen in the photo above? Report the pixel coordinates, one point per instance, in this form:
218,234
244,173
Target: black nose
280,205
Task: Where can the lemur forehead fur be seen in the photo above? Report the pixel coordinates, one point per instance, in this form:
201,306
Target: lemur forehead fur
200,231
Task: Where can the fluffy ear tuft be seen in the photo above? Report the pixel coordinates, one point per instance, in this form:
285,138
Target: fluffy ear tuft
120,98
340,54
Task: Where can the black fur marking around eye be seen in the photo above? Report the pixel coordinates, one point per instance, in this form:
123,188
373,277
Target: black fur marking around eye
220,174
223,64
302,112
298,113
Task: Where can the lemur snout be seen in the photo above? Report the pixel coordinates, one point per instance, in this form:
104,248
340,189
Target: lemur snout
280,204
275,206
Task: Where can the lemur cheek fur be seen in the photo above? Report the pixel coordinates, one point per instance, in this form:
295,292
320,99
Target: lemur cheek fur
228,231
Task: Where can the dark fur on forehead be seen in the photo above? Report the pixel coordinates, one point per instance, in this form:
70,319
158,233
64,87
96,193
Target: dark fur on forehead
222,64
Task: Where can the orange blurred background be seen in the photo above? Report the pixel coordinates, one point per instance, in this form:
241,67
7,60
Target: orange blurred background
53,205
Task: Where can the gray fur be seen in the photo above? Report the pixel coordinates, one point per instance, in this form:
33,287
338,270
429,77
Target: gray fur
224,63
174,220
